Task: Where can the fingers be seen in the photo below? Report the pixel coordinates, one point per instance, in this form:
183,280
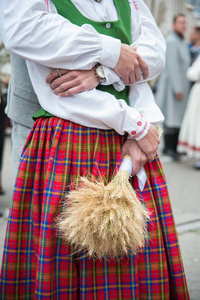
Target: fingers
68,87
150,158
136,75
61,85
130,65
59,81
66,78
150,143
71,82
150,153
138,163
143,67
54,74
138,157
140,67
70,92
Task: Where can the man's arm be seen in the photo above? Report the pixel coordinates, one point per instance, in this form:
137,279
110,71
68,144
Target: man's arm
33,33
150,45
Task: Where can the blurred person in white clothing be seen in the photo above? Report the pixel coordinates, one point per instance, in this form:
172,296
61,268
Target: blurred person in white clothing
189,137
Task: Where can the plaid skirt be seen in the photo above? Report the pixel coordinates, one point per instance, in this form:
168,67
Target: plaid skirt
37,264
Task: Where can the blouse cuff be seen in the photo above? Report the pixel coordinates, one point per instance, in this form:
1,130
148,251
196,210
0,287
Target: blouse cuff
110,51
113,78
141,130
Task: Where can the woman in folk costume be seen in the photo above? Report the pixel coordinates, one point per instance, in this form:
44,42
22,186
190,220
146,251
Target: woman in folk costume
85,136
189,137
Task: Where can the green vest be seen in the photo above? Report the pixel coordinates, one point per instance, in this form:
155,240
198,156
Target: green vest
120,29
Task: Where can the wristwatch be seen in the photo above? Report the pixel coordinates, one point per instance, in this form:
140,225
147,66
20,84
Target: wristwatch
99,72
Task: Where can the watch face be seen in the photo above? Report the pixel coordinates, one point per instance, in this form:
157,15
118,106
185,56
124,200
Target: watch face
100,72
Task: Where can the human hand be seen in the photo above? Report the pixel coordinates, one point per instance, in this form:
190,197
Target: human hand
130,65
150,142
179,96
72,82
138,157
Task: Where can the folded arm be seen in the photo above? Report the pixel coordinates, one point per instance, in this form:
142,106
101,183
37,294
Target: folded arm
55,39
34,34
52,41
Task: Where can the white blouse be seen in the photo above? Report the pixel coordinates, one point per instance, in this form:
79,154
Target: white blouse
193,72
34,31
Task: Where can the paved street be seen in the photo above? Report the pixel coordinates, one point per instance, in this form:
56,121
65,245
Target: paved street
184,188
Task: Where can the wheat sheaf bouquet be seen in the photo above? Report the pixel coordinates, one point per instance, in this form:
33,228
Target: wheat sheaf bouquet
105,220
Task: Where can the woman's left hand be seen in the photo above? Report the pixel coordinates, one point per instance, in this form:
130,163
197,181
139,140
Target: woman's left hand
150,142
72,82
138,157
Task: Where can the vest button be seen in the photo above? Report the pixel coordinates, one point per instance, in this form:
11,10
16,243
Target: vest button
108,25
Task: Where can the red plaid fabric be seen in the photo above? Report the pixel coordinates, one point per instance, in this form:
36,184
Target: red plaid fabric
37,264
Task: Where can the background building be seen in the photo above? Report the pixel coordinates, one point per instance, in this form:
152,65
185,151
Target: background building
164,11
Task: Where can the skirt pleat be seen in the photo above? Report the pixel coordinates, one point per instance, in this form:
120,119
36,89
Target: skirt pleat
38,264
